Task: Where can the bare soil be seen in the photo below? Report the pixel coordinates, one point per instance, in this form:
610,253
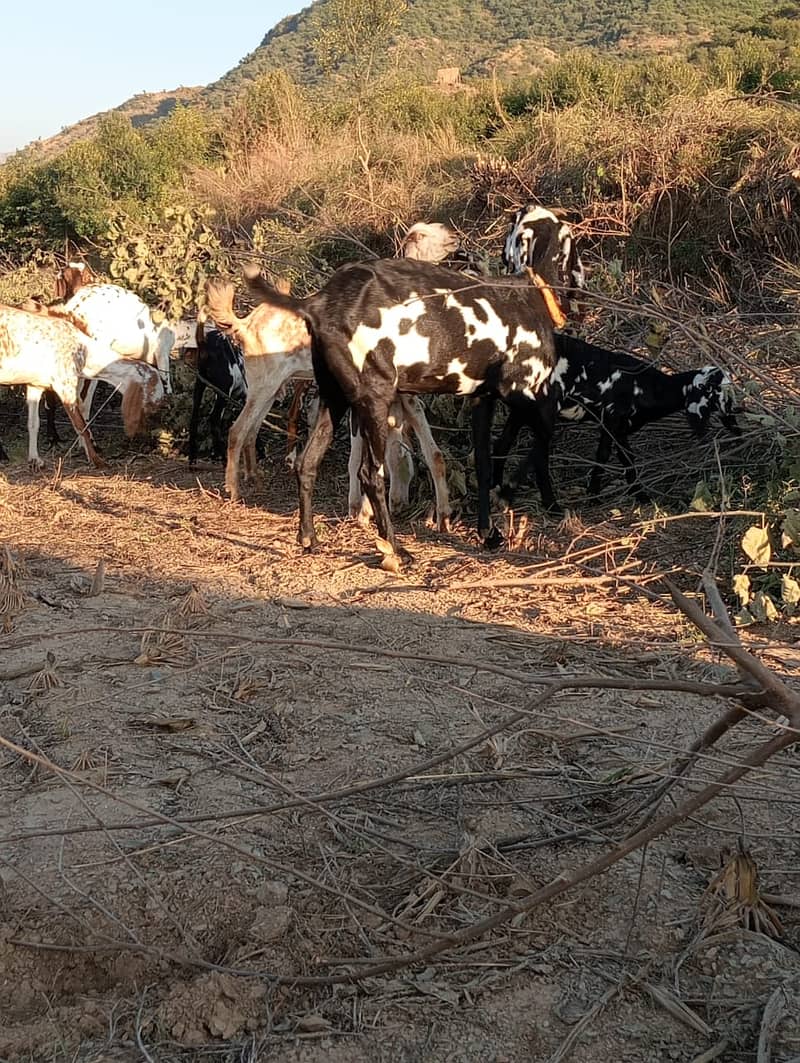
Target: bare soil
158,900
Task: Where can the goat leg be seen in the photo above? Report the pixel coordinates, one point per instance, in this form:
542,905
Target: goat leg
631,475
604,448
50,401
33,397
372,474
482,411
215,423
503,445
194,420
319,440
85,435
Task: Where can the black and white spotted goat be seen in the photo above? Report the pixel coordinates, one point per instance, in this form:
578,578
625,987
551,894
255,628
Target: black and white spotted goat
219,365
537,239
397,326
620,394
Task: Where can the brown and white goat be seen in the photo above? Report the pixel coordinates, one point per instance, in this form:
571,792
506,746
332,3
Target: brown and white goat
52,351
71,278
114,316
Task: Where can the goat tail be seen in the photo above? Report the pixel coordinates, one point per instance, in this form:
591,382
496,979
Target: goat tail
219,303
133,402
277,295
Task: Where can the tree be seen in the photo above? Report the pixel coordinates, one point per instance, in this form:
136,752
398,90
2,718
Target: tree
354,35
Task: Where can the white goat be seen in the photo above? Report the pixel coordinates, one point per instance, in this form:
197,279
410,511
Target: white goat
52,351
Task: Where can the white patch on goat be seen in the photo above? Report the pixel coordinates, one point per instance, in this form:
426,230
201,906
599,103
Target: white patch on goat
702,376
726,394
477,331
637,391
572,413
698,407
523,338
466,384
558,375
410,347
607,385
537,375
238,382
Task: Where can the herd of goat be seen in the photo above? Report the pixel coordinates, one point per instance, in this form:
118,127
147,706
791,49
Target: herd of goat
377,337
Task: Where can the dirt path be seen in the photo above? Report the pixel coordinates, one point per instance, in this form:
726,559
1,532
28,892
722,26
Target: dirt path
152,943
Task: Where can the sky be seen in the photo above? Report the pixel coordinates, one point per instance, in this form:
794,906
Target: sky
59,64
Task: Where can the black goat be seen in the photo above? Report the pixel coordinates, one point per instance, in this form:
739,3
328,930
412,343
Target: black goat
400,326
219,366
621,394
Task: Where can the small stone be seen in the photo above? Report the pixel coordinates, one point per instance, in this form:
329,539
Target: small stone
271,924
272,892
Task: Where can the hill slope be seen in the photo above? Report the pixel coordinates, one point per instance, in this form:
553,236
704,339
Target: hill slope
474,33
142,109
518,36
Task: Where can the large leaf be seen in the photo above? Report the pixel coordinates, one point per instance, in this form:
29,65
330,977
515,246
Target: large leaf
702,500
791,529
741,585
790,593
762,607
755,543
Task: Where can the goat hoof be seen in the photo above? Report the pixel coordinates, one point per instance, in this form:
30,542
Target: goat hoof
35,464
309,543
494,540
443,524
643,497
555,509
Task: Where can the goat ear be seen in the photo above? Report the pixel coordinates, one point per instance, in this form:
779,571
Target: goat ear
283,285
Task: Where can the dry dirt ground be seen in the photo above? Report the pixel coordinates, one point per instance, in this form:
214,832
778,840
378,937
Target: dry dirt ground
181,685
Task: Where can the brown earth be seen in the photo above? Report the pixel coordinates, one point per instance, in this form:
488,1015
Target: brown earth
218,673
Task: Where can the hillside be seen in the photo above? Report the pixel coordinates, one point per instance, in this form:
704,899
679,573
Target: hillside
142,109
476,33
518,37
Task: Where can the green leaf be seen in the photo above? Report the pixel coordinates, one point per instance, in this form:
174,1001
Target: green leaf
755,543
791,528
702,500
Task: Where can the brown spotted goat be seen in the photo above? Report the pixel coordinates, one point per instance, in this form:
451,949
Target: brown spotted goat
52,351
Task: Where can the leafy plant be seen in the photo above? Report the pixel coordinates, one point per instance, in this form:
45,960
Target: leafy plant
165,262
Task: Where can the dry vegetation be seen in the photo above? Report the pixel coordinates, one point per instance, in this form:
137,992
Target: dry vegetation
262,806
244,788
